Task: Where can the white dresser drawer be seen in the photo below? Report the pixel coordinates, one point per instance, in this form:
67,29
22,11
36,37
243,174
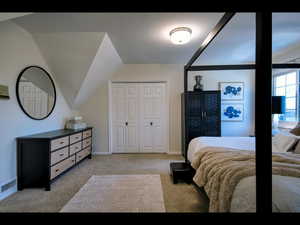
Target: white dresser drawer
75,138
86,142
75,148
59,143
82,154
87,133
59,155
62,166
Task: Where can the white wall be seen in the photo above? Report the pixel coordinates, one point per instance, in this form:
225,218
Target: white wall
18,50
211,81
95,111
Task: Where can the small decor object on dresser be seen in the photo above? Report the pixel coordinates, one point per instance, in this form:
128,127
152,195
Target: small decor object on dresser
76,123
232,90
232,111
198,86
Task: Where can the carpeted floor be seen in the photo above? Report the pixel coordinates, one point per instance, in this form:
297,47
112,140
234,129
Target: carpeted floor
179,197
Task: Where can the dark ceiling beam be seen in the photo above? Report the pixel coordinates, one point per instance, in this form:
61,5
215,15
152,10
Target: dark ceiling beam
241,67
222,67
286,66
223,21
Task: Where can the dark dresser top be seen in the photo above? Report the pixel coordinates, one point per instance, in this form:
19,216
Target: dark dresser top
53,134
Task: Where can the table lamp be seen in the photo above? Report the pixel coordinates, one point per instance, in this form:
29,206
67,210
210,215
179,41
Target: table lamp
278,107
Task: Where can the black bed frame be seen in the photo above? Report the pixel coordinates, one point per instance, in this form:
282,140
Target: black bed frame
263,86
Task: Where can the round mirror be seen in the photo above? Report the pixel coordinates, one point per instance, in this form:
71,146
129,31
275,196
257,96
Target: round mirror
36,92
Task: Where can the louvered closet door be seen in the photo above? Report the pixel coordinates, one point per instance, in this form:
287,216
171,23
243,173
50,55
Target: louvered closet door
152,116
211,115
125,118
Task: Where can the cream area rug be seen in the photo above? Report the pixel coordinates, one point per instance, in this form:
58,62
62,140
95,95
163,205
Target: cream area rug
119,193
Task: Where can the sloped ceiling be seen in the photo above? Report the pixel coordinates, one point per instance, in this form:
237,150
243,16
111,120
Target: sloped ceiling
105,63
83,49
8,16
139,38
69,55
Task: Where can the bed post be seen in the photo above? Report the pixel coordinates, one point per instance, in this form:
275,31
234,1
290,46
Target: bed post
263,122
185,79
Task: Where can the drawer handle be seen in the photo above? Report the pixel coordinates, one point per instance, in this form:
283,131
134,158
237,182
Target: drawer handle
61,154
76,137
56,170
62,142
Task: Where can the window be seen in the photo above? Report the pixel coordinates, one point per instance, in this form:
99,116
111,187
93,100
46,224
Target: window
287,85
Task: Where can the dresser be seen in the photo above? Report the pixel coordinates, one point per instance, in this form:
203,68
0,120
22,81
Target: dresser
201,116
43,157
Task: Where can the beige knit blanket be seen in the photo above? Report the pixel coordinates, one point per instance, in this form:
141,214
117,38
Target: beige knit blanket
219,170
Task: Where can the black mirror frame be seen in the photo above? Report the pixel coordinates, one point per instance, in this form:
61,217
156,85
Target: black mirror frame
18,97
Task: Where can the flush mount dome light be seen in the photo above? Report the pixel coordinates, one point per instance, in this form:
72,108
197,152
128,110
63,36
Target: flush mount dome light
180,35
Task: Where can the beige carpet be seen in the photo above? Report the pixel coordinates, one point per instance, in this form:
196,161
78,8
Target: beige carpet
119,193
179,197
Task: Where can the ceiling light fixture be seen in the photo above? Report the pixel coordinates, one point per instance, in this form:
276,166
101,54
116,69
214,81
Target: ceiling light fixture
180,35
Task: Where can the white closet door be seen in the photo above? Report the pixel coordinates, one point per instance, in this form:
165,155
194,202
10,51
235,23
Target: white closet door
125,137
119,116
153,108
132,131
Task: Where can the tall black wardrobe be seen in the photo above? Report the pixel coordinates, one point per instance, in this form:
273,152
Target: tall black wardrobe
201,116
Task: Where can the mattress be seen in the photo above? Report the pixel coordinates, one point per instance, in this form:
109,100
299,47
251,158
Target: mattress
285,190
196,144
285,195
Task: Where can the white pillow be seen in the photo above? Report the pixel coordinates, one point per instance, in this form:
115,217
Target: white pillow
282,142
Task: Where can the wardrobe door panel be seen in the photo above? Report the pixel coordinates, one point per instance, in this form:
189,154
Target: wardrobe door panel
194,104
211,109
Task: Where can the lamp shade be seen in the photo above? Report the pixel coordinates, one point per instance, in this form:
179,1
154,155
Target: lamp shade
278,104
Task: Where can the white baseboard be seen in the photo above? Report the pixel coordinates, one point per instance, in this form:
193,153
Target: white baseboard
8,192
101,153
174,153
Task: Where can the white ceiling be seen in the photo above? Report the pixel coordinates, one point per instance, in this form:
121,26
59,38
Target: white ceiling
138,37
143,37
84,49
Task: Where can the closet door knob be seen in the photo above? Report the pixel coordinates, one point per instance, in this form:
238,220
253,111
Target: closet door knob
126,123
151,123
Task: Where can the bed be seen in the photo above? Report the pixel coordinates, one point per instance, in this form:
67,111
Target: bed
285,189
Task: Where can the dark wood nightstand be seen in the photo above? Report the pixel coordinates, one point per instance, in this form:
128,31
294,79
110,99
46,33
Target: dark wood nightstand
181,171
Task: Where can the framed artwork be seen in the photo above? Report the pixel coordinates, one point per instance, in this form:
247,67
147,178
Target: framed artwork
232,90
232,111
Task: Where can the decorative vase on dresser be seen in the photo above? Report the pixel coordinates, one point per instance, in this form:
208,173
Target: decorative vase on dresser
43,157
